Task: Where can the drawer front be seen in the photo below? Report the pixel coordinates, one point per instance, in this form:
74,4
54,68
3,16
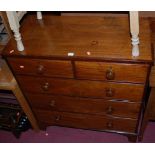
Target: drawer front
86,121
51,68
135,73
84,105
82,88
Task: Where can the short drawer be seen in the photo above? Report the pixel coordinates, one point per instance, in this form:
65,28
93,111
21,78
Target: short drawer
84,105
86,121
124,72
82,88
40,67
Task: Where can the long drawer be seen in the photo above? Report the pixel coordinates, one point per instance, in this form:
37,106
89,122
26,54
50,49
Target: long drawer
124,72
82,88
86,121
83,105
41,67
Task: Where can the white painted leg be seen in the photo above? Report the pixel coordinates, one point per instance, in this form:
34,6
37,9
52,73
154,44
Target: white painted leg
134,29
17,35
14,24
135,46
39,15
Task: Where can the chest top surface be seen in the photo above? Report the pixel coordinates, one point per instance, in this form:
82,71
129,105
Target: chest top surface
98,38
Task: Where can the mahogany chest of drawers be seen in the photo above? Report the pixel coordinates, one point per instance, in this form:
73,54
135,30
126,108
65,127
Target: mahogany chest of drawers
91,89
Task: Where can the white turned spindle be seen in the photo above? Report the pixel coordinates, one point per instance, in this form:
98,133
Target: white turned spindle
134,29
14,25
18,39
39,15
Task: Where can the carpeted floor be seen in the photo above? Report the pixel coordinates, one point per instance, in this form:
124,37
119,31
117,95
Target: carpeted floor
67,135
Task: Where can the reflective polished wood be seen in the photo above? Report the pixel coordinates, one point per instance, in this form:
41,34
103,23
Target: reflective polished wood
105,38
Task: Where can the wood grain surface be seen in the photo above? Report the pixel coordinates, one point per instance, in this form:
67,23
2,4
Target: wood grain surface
104,37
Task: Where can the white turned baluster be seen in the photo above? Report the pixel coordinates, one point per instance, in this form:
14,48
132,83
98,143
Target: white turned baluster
18,39
39,15
134,29
14,24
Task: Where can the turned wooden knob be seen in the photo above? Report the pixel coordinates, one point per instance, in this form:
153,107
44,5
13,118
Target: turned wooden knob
110,74
109,110
52,103
40,69
57,118
45,87
109,125
109,92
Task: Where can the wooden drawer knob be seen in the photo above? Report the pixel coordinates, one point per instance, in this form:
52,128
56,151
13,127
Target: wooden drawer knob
110,74
109,92
109,110
109,125
45,87
52,103
40,69
57,118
